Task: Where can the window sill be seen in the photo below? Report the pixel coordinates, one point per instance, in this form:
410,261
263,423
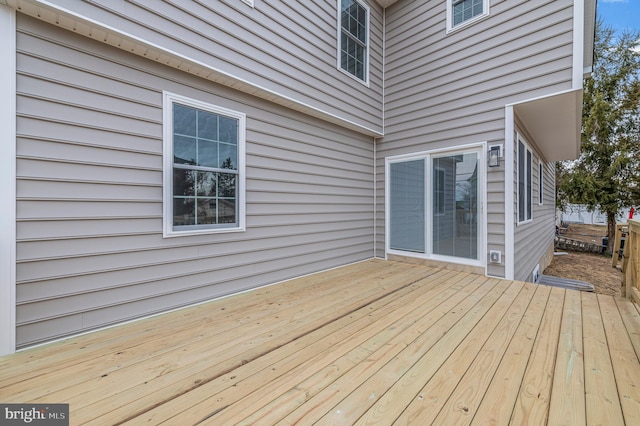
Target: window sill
363,82
465,24
524,222
191,233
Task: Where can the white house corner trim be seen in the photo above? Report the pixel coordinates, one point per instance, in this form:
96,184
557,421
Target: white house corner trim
578,44
7,180
509,189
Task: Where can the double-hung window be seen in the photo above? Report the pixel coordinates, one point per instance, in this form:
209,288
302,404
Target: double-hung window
460,12
524,183
353,38
203,167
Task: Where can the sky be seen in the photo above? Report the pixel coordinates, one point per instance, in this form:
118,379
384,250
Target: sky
620,14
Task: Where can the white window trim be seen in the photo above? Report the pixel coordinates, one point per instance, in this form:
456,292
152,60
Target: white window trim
248,2
167,199
481,148
451,28
527,149
540,183
339,44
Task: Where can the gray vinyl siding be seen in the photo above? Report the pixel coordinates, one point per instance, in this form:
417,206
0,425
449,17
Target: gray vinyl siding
285,47
495,203
534,238
444,90
90,250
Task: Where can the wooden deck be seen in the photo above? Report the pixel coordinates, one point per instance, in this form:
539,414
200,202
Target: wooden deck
372,343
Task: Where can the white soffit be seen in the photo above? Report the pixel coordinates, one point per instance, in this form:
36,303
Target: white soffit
554,122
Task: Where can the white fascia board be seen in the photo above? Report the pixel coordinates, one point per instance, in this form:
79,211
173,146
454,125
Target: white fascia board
88,27
578,44
7,181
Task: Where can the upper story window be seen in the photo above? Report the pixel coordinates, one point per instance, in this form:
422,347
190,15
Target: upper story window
203,167
353,38
462,12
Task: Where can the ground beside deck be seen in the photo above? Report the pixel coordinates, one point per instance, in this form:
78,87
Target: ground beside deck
377,342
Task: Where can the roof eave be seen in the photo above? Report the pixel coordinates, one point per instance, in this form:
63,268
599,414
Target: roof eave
554,123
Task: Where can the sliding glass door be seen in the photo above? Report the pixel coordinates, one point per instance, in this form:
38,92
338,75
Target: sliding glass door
434,205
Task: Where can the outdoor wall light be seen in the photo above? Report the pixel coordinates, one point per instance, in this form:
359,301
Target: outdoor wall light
494,156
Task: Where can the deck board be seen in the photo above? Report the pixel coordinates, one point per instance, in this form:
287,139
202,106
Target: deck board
404,326
387,366
625,363
466,340
499,400
377,342
532,403
602,402
318,369
464,401
568,394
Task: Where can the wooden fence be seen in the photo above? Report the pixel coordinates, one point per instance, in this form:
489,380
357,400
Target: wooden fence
631,263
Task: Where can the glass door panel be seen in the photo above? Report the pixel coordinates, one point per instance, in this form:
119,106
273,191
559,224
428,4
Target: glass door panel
455,212
407,206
